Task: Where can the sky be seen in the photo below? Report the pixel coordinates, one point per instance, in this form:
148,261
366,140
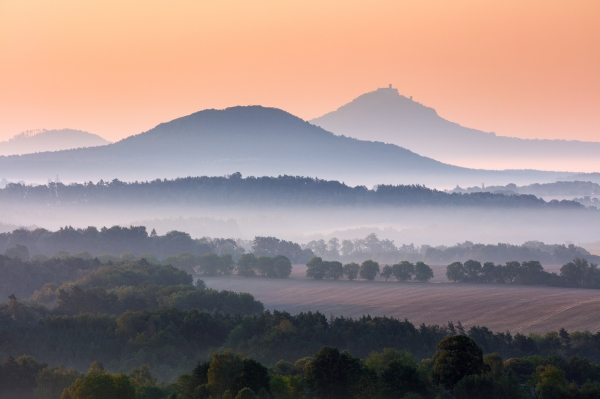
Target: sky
527,69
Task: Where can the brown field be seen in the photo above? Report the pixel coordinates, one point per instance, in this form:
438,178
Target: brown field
498,307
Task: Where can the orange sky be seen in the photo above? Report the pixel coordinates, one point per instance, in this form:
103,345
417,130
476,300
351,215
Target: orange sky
115,68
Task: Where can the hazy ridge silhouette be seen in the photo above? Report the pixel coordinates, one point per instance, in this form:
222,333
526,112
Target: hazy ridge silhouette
385,115
49,140
253,140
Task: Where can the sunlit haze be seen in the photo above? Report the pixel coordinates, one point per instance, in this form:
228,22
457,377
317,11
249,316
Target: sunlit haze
114,68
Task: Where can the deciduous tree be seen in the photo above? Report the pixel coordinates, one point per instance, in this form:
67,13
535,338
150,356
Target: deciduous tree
369,269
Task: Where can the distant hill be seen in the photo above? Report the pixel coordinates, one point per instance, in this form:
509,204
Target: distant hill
558,189
584,192
49,140
255,141
592,177
385,115
261,191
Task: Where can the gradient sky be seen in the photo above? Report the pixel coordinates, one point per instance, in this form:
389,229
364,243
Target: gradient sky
115,68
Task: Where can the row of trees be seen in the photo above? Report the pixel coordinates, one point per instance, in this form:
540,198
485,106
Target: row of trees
458,369
265,266
384,250
319,269
406,271
211,264
577,273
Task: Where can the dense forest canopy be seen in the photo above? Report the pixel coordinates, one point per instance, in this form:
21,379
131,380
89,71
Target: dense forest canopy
168,342
282,190
459,369
150,321
260,335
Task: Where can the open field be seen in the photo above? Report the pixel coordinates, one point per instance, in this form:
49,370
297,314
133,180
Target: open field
498,307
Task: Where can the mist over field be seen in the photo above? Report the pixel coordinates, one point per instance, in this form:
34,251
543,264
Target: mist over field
300,209
404,225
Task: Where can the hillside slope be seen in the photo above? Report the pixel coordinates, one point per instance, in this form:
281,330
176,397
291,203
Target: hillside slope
385,115
254,141
49,140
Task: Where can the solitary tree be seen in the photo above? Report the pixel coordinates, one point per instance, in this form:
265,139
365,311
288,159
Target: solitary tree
282,266
316,268
335,270
455,272
472,270
423,272
246,265
578,272
386,272
264,266
403,271
369,270
351,270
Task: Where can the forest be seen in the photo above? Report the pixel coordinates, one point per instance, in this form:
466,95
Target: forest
145,330
282,190
135,241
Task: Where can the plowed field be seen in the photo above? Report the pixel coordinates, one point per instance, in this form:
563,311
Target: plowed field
498,307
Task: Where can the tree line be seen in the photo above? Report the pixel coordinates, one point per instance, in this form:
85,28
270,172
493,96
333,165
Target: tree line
577,273
386,251
36,277
126,243
319,269
458,368
281,190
